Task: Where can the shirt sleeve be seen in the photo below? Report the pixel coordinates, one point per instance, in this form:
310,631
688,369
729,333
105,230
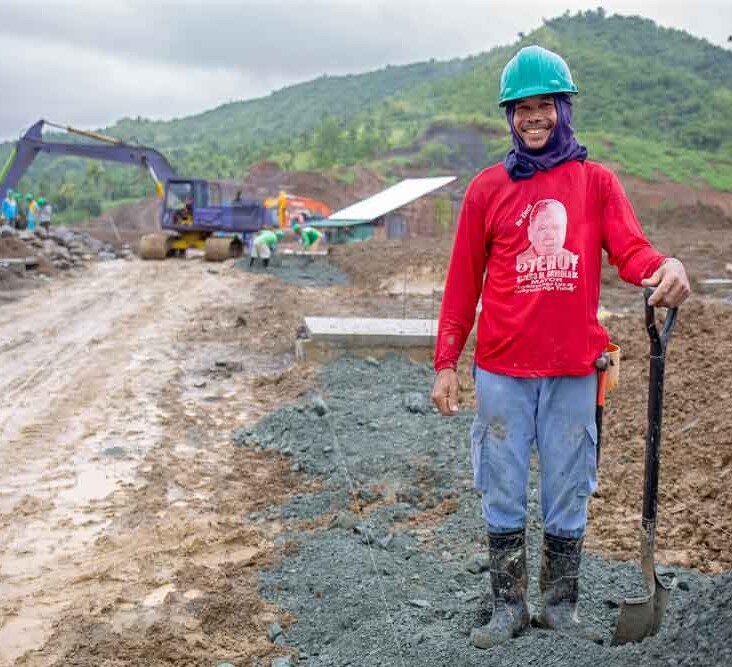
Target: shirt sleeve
464,282
622,237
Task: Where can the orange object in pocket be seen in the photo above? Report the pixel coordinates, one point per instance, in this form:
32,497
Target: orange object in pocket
613,368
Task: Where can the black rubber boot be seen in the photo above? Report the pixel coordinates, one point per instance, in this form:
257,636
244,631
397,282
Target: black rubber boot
251,261
559,586
265,262
508,581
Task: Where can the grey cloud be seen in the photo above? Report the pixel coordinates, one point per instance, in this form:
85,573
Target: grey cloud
296,37
94,61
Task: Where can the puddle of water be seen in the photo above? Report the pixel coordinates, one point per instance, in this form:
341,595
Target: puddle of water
94,481
158,595
175,493
27,628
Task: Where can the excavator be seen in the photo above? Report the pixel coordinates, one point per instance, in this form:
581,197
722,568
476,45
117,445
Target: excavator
288,205
195,213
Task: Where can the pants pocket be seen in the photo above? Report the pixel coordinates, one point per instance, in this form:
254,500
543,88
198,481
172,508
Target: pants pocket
588,467
478,437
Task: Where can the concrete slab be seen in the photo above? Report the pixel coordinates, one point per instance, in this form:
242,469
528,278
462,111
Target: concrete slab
715,285
290,252
371,331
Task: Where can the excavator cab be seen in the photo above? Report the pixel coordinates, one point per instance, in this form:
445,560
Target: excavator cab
179,203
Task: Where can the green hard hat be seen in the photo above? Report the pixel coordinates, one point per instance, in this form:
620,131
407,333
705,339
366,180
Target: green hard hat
280,234
295,227
41,201
535,71
28,197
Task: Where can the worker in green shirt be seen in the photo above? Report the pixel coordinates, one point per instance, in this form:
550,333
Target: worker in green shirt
310,237
264,244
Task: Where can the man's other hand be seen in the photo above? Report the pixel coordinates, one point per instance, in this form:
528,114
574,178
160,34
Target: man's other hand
445,392
671,283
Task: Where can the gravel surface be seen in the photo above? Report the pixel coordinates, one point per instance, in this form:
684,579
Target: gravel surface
398,578
303,271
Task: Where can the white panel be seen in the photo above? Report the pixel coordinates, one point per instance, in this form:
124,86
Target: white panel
391,199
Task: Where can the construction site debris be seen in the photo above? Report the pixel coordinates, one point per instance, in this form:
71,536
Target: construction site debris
59,249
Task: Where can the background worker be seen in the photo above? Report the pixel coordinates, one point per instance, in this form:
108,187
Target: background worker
31,212
310,237
10,208
538,224
264,244
45,213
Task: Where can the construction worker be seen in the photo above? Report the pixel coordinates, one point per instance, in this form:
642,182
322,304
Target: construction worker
309,236
45,213
31,212
265,243
10,208
536,225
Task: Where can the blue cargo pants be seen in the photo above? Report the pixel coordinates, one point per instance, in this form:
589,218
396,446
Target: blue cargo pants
558,413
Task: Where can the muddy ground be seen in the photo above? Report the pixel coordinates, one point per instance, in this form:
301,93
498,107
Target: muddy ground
173,486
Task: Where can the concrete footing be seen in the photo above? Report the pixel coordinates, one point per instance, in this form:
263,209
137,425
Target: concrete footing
368,336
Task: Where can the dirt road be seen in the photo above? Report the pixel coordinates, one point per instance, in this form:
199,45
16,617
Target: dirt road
115,458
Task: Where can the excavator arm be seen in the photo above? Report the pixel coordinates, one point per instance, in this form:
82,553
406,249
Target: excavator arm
110,149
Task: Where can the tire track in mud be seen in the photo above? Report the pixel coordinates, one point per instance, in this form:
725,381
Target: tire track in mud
172,579
108,352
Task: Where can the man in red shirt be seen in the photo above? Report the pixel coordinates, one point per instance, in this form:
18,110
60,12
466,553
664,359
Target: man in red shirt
529,244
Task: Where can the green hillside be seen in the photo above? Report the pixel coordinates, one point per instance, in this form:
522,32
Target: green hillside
650,101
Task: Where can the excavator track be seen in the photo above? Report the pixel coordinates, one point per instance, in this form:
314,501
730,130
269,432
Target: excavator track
222,248
154,246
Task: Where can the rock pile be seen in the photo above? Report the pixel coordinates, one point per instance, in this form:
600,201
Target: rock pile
63,247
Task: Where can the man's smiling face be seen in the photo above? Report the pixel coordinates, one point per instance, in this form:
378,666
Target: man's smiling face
534,119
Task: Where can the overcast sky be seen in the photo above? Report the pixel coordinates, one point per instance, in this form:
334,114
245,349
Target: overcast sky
90,62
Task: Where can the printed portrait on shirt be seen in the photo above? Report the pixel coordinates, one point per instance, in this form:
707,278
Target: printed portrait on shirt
545,262
547,231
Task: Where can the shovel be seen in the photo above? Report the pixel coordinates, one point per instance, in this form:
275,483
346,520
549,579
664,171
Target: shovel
641,617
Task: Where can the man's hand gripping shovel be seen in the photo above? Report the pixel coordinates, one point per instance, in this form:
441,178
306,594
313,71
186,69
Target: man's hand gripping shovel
642,616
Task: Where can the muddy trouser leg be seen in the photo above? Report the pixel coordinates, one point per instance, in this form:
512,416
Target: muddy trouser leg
567,444
502,436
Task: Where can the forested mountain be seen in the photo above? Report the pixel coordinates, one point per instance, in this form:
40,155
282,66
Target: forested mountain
651,101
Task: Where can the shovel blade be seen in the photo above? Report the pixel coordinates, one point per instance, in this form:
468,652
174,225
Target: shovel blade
642,617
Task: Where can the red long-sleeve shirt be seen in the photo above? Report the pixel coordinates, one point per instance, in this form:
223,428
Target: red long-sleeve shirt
538,243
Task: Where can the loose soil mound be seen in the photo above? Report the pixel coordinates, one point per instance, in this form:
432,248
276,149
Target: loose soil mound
373,263
695,496
124,225
267,179
12,247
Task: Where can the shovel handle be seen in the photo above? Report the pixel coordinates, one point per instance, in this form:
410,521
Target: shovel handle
659,341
